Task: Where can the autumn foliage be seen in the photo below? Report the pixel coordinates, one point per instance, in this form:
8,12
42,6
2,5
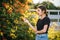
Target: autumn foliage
18,6
12,27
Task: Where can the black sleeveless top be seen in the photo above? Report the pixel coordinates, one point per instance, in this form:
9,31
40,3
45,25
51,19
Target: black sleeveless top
41,23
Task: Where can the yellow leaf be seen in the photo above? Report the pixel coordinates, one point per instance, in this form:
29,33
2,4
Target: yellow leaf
12,30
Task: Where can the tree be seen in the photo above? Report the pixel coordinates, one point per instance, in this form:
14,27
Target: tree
12,26
48,5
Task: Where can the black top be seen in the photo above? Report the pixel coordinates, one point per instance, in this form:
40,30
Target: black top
41,23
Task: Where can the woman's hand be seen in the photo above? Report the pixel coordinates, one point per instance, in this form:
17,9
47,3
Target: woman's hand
25,20
37,32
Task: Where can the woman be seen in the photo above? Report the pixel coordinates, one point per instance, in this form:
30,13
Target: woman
42,25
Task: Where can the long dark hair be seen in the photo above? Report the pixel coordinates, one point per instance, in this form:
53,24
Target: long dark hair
43,8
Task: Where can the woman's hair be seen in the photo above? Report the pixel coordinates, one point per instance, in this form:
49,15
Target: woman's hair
43,8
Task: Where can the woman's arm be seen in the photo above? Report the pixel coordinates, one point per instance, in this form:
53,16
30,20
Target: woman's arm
43,30
34,28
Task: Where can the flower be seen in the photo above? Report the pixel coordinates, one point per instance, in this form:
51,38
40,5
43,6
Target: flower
5,5
1,33
12,30
16,21
13,35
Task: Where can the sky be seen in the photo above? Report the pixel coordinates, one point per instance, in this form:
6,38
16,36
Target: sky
55,2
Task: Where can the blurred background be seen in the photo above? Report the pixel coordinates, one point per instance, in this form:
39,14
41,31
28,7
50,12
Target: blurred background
12,27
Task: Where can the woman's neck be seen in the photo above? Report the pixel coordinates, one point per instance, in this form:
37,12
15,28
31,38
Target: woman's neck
43,16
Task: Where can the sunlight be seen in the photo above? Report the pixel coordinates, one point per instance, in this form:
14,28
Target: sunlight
35,1
55,2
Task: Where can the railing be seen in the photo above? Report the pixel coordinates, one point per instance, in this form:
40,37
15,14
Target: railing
55,17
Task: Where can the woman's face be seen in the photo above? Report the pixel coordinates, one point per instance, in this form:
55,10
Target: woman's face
39,11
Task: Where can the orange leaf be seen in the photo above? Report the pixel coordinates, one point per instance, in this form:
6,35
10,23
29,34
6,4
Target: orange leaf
5,5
